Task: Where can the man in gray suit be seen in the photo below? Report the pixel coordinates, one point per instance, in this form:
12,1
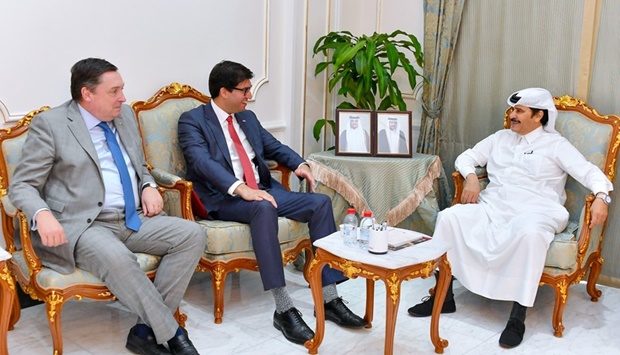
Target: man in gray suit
92,203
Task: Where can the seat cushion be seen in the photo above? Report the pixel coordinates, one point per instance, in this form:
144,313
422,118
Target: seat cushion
49,278
562,251
225,237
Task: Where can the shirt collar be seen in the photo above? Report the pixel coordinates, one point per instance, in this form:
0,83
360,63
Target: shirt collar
90,120
530,137
221,114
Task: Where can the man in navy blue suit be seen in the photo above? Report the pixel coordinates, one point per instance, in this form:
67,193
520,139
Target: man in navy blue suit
225,147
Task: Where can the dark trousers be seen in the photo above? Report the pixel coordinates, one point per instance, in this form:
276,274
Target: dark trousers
315,209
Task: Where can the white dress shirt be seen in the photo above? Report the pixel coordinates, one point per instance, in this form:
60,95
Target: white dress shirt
111,178
234,156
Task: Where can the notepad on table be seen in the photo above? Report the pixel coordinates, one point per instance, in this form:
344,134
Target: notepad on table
402,238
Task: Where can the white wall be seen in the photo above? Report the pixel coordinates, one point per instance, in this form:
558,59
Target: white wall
359,17
157,42
153,43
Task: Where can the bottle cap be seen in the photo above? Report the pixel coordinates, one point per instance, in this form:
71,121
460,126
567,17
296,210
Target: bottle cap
351,210
367,214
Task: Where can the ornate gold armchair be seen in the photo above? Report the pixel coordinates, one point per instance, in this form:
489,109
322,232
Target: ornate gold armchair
38,281
229,245
577,249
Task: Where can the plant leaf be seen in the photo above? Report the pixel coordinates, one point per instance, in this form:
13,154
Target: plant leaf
320,67
347,106
332,123
386,103
318,127
392,55
381,74
348,53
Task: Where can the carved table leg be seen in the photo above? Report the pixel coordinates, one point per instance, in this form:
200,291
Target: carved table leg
443,282
392,300
370,302
317,295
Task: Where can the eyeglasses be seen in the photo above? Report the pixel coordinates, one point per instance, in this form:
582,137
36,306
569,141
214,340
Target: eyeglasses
244,90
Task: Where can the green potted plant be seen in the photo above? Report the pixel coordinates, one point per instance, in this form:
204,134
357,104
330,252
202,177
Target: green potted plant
362,67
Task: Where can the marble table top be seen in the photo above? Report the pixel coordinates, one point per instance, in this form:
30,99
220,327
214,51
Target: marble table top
415,254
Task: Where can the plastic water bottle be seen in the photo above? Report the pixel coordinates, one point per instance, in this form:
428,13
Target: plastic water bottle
349,228
365,225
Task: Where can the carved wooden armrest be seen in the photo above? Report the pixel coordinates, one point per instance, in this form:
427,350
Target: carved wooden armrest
32,259
168,181
285,172
459,180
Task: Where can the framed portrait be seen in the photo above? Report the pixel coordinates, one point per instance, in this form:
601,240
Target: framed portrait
354,132
393,138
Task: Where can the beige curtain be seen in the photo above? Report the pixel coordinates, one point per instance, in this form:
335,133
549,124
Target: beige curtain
605,97
441,28
507,45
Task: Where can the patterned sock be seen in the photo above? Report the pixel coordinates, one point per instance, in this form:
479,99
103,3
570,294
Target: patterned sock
518,312
330,293
179,331
282,298
142,330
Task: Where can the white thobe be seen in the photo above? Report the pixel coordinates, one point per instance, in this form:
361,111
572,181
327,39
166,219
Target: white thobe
356,140
499,245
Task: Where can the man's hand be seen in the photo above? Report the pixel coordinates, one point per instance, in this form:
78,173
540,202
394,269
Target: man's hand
471,189
51,232
598,212
152,203
249,194
304,172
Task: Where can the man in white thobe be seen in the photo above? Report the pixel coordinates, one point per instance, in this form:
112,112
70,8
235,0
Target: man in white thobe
393,139
355,138
500,236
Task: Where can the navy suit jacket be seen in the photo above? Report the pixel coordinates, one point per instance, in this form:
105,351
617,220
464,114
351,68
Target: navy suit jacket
208,160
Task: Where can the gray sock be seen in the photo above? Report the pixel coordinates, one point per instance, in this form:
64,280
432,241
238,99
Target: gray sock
518,312
330,293
282,298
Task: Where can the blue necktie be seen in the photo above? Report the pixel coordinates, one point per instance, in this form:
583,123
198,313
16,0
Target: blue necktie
132,221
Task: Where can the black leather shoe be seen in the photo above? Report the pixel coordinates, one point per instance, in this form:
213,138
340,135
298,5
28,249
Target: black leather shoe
181,345
337,312
513,334
148,346
425,309
292,326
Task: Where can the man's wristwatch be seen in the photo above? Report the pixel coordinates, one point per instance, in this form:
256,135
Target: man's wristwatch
148,184
605,197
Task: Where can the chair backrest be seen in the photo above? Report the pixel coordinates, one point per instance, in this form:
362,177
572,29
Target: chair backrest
12,141
594,135
157,120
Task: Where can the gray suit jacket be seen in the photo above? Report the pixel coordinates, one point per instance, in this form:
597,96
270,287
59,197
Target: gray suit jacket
59,170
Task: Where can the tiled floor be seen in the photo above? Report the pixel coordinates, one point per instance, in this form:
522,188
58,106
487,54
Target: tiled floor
101,328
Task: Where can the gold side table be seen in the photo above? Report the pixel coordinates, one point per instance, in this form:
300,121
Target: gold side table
420,260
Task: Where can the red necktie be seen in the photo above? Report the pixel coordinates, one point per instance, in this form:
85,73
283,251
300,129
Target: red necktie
248,172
